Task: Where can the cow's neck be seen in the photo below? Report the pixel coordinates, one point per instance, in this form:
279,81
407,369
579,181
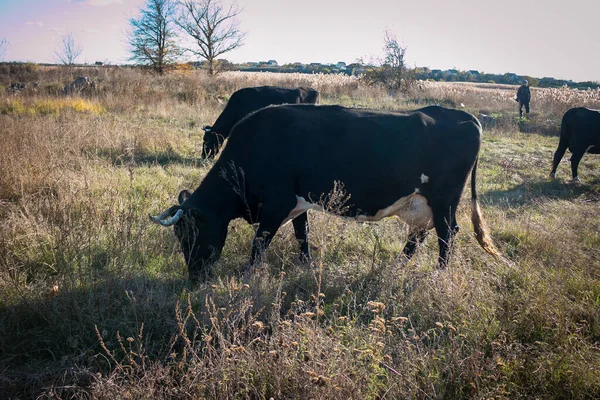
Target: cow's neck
215,197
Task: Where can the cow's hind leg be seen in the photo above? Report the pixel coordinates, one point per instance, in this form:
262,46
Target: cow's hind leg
415,238
301,232
446,227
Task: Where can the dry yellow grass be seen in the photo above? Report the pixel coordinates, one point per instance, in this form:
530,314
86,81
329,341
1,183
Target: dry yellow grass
46,106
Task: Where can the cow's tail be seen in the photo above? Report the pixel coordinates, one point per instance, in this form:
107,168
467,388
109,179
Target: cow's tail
563,144
481,232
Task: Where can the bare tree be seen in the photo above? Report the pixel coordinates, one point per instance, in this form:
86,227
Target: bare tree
393,73
68,50
3,48
213,26
153,37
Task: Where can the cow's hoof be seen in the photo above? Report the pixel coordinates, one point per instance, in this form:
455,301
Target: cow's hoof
575,180
304,259
248,271
192,283
402,260
552,175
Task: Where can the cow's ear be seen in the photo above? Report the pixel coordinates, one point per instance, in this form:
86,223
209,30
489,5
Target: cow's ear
183,196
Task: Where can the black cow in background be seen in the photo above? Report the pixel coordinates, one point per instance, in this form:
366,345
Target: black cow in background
245,101
580,133
281,160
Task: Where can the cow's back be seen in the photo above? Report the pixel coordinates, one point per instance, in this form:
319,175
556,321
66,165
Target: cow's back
346,130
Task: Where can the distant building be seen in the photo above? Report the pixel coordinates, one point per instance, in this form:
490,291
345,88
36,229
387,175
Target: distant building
473,72
272,63
452,71
341,65
99,63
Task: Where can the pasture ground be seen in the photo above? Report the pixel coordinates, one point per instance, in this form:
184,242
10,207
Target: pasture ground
94,301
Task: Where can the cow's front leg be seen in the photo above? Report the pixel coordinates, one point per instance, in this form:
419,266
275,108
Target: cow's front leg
301,232
261,242
415,238
275,210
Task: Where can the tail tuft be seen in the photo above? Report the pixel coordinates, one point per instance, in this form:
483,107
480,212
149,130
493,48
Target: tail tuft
481,231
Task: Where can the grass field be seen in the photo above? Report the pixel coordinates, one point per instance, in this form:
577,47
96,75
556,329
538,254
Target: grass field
95,303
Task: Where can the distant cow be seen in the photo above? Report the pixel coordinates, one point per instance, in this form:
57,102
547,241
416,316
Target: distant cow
580,133
245,101
16,87
81,84
281,160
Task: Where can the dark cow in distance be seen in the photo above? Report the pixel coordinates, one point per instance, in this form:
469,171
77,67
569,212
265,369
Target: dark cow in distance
245,101
580,133
281,160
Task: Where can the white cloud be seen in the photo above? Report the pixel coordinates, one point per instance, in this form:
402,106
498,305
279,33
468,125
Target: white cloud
38,23
90,31
59,30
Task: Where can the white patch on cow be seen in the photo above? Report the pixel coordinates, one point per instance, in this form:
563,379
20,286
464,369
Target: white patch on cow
302,206
589,148
412,209
424,178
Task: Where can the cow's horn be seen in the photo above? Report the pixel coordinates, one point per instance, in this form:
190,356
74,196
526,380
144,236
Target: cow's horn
160,219
167,213
207,128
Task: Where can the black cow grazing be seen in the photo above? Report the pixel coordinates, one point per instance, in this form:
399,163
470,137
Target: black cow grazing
580,133
280,160
245,101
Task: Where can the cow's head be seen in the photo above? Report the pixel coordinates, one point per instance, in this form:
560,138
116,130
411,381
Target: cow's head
212,142
201,236
309,95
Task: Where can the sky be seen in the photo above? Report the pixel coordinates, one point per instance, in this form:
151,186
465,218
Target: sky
527,37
